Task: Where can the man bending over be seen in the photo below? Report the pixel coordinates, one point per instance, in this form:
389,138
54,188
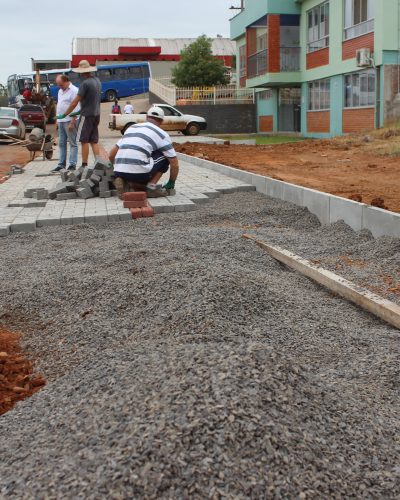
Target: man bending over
143,155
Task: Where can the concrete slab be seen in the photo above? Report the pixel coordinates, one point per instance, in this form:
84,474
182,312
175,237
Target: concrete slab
381,222
293,194
274,188
349,211
317,203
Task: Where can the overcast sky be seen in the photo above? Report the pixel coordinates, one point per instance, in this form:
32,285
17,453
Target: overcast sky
44,29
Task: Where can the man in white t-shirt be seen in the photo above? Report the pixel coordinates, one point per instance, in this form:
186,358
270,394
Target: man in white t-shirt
68,126
143,155
128,108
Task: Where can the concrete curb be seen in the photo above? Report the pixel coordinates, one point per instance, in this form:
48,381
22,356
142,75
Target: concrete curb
328,208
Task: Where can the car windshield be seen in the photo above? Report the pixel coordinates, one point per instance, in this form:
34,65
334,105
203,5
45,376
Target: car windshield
7,112
31,107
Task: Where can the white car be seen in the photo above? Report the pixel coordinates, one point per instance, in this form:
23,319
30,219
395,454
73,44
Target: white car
11,124
174,121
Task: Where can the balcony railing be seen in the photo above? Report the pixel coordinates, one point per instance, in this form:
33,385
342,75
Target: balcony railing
290,59
257,64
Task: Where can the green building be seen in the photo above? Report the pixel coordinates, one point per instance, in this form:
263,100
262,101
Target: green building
322,68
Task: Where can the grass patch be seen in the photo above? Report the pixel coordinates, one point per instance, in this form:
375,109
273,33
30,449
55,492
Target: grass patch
263,140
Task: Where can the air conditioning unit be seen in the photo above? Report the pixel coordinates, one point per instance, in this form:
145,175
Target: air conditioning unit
364,58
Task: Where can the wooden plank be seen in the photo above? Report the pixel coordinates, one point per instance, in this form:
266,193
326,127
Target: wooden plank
380,307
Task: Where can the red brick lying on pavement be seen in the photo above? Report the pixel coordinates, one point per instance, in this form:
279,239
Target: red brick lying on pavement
135,196
135,204
148,212
136,213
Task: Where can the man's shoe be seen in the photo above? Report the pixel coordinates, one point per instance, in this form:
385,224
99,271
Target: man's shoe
72,167
120,186
154,191
58,168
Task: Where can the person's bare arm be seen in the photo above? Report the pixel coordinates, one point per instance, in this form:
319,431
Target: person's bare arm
73,105
174,172
113,153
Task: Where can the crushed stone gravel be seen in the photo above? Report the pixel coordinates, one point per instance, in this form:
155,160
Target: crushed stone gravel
183,362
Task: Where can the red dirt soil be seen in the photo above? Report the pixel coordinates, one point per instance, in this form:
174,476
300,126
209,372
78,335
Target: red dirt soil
17,380
361,168
10,155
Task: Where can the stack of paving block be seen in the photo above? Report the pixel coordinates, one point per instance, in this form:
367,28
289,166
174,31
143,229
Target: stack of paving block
16,169
84,183
137,204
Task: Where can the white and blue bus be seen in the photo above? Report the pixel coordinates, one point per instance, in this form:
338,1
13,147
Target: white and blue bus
117,80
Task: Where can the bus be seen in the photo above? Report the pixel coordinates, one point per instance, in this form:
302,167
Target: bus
117,80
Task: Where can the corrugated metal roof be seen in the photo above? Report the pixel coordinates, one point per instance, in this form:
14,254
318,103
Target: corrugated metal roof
170,46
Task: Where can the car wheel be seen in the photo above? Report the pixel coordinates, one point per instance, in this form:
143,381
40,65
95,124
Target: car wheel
126,128
111,95
192,129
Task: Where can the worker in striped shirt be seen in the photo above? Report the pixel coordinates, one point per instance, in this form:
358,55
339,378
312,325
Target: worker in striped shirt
143,155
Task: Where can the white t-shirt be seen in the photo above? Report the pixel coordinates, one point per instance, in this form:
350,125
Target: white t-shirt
138,144
65,97
128,109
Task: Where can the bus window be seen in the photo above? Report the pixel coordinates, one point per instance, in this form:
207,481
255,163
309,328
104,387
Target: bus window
73,77
121,73
146,71
105,75
135,72
52,78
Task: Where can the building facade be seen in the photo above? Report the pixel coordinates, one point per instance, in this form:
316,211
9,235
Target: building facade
320,67
162,53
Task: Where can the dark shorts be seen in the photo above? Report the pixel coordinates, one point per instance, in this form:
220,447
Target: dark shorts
88,129
161,164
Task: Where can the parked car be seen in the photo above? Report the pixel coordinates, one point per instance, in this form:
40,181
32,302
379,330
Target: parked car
33,116
11,124
174,121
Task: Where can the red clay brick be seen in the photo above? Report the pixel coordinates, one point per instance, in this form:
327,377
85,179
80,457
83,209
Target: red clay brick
266,123
318,121
148,212
274,43
135,204
358,120
318,58
135,196
350,47
136,213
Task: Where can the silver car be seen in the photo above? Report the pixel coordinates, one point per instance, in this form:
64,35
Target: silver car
11,124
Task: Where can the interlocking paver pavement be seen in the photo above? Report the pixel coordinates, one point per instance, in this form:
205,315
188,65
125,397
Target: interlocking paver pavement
195,186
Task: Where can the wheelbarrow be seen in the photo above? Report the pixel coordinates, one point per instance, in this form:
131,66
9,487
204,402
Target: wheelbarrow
45,147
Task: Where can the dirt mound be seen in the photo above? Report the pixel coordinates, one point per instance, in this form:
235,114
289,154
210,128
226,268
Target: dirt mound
17,380
362,165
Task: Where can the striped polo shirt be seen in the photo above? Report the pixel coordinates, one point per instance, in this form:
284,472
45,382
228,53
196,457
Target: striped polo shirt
138,144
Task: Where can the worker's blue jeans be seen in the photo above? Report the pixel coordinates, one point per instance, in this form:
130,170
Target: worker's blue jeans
65,136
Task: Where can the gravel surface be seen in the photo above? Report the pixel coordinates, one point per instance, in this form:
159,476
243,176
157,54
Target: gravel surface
183,362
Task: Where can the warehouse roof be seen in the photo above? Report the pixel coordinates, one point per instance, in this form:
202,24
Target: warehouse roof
169,46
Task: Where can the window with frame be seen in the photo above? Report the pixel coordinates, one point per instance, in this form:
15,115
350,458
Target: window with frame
359,89
318,27
242,61
358,17
319,95
135,72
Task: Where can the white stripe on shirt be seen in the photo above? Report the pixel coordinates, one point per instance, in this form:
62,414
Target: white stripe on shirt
138,144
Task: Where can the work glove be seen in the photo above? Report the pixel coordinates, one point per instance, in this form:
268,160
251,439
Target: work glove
169,185
76,113
60,117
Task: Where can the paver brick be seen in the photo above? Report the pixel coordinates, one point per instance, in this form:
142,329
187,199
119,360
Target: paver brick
4,229
66,196
105,194
136,213
135,196
135,204
147,212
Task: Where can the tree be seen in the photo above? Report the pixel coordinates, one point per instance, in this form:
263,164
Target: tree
198,66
